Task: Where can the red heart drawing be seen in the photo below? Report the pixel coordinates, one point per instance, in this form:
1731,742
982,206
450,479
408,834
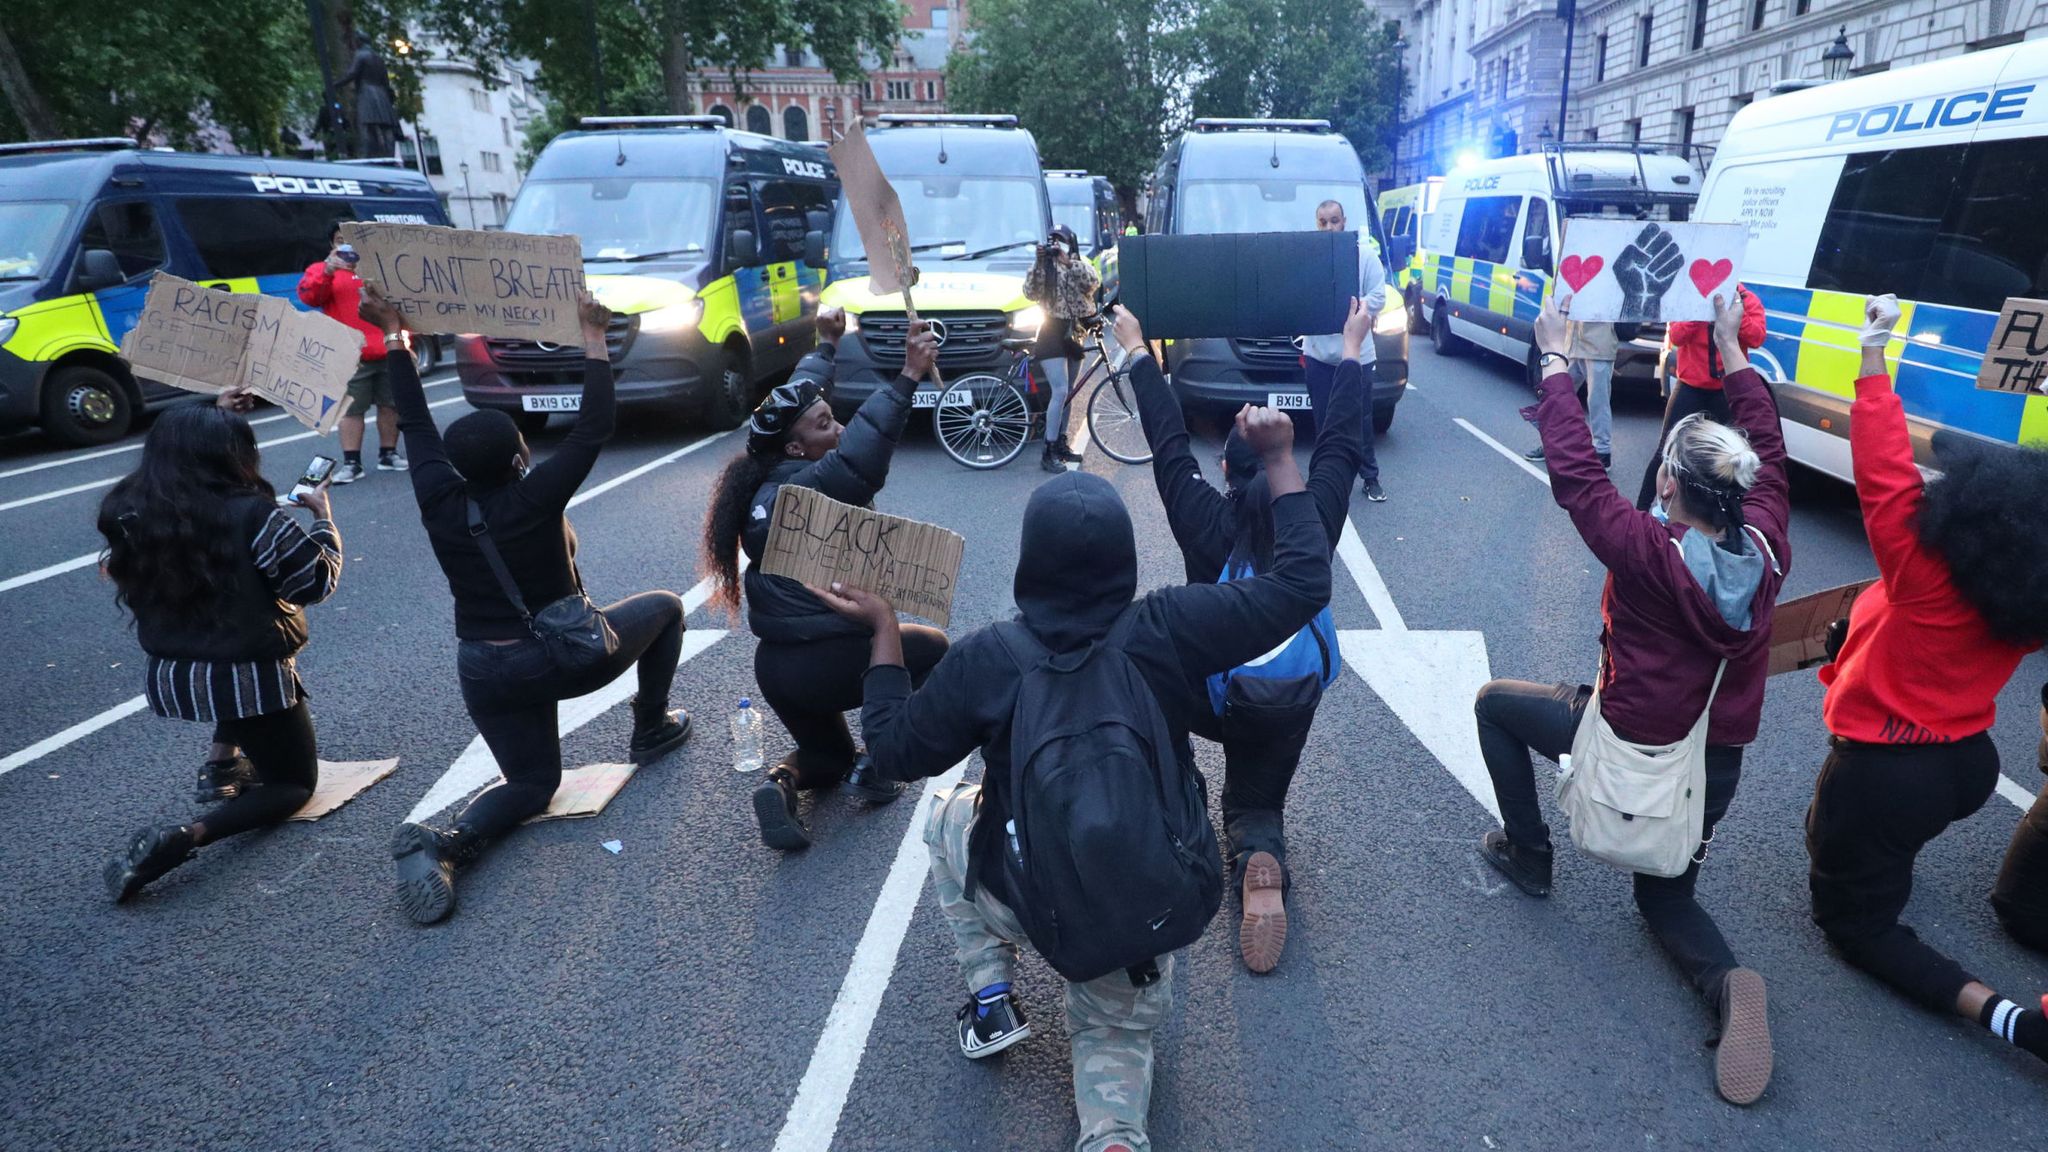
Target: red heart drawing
1579,272
1706,277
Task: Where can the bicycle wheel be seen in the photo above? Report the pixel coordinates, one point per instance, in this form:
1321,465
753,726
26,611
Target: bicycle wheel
1113,421
982,421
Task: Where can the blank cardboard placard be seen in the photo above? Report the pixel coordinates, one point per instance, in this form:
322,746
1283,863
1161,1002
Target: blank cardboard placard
877,212
342,781
1799,628
2016,360
585,791
1250,285
206,340
816,540
1648,271
447,281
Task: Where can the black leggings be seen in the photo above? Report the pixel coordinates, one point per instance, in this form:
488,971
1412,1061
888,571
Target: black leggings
1874,807
1684,401
1515,717
812,685
281,748
511,691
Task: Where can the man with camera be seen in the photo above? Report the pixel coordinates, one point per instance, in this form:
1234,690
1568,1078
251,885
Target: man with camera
1064,284
333,287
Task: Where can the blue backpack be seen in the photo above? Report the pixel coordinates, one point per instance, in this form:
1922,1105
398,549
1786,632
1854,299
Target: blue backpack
1296,672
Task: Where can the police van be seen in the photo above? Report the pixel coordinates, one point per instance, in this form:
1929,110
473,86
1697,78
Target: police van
1088,205
694,236
1487,252
974,199
1227,175
1927,182
84,224
1401,213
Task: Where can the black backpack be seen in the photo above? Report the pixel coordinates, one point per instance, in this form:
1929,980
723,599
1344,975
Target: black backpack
1109,855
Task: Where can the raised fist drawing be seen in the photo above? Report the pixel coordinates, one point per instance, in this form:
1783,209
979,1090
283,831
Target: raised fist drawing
1645,271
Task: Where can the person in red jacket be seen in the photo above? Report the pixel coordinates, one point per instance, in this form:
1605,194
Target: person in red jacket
1962,597
1698,368
1690,587
333,287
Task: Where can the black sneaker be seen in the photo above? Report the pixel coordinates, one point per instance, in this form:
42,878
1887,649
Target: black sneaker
1606,459
991,1023
224,780
348,473
1065,451
1529,868
1534,455
426,873
653,741
1374,492
869,787
390,461
150,853
775,810
1050,459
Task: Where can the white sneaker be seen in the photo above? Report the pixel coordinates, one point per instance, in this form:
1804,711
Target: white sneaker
346,474
390,461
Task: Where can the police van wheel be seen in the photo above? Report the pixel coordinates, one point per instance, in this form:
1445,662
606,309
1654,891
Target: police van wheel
1440,335
83,405
1416,324
1382,419
426,355
732,398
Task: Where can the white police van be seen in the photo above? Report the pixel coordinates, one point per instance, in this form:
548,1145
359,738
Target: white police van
1927,182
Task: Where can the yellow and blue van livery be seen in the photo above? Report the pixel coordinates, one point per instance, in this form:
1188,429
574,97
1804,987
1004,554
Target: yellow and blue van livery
85,224
974,198
694,235
1401,213
1924,182
1088,205
1487,246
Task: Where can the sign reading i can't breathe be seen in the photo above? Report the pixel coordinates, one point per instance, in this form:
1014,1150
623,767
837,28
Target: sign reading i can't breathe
816,540
2016,360
205,340
453,280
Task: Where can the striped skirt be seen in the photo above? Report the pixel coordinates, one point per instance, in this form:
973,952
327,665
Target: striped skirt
210,691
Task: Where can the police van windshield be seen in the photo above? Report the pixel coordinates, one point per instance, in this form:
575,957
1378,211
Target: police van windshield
1264,205
30,231
619,218
958,217
1079,217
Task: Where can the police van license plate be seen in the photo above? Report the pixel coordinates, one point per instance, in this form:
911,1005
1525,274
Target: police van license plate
559,402
925,398
1288,401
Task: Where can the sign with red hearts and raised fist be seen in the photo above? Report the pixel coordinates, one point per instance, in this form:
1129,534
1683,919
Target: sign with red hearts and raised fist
1648,271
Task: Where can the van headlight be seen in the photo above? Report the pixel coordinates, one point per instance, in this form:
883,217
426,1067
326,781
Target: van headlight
1029,321
1393,319
673,317
853,321
7,326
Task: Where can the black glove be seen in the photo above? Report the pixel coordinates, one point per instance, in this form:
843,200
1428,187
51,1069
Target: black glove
1645,270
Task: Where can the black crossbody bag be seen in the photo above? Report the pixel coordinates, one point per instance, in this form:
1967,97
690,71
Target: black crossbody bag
573,629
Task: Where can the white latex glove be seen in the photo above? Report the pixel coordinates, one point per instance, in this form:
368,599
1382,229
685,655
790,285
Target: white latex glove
1880,316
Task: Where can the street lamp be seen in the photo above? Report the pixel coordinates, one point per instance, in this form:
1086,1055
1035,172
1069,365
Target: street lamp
468,200
1835,62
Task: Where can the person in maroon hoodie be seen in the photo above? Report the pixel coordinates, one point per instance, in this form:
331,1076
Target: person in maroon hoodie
1961,599
1690,583
1697,371
333,287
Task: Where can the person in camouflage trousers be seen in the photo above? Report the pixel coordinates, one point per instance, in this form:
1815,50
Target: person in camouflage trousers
1110,1021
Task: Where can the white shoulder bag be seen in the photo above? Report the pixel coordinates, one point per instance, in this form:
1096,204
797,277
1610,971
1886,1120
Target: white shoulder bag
1641,807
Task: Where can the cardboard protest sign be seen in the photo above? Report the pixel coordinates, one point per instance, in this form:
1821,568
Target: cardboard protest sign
341,781
877,213
1799,628
452,280
2016,360
816,540
1244,285
584,792
205,340
1642,272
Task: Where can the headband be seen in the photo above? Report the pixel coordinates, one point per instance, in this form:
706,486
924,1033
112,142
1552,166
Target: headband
778,413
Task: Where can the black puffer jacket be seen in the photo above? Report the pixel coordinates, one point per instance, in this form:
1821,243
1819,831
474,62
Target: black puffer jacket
779,609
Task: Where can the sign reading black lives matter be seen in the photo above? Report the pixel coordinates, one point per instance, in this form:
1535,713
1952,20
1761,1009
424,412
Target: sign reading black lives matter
205,340
2016,360
452,280
817,540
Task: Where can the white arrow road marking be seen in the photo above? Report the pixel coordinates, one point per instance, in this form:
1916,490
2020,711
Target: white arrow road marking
1428,679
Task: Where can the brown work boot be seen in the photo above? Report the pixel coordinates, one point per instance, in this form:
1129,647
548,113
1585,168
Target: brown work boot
1262,936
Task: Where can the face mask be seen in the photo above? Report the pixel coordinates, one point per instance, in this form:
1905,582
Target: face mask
1658,510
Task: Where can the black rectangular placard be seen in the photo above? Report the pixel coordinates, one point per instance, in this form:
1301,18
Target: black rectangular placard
1239,284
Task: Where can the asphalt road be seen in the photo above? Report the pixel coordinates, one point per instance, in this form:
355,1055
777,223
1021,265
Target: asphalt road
681,993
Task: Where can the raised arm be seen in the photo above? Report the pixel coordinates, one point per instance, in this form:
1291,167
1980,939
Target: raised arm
1619,536
1768,504
857,469
555,479
433,477
1340,432
1198,515
316,287
1888,484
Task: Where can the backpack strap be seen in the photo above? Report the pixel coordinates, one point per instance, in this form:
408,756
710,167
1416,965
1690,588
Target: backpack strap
480,532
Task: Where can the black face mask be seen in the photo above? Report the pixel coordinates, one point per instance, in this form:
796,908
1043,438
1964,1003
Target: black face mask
776,416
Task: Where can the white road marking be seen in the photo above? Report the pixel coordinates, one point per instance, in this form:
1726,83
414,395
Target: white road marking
813,1116
1510,453
78,731
644,469
1366,574
1080,443
71,565
2019,797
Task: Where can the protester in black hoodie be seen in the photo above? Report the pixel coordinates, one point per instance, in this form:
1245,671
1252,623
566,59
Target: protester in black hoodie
1077,572
1261,745
809,661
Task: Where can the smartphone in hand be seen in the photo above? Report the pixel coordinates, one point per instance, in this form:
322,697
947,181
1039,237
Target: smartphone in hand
316,474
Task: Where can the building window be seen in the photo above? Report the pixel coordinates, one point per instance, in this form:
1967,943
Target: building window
479,100
941,19
1756,15
491,162
931,89
1593,135
1801,7
505,124
1685,127
758,120
723,113
796,123
1699,24
1600,58
500,204
1635,131
427,145
1643,41
899,90
792,57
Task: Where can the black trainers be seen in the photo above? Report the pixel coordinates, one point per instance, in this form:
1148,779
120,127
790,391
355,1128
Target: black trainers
869,787
991,1021
1606,459
1534,454
1529,868
389,460
1065,451
426,873
652,741
775,810
348,473
1374,492
1050,459
224,780
150,853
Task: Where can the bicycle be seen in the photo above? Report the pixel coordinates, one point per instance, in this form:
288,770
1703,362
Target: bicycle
985,421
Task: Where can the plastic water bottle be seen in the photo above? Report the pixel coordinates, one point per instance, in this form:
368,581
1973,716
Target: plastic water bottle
746,738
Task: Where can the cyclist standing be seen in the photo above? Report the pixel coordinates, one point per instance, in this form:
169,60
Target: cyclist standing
1064,285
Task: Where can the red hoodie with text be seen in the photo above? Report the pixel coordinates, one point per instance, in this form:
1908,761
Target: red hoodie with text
338,292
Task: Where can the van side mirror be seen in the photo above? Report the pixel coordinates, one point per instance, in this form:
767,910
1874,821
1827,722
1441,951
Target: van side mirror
742,250
1536,253
97,269
814,249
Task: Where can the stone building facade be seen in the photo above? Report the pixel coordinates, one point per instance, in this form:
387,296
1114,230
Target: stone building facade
794,97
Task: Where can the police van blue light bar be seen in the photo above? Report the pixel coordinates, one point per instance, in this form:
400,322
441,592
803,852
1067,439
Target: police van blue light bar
1234,124
651,122
87,144
967,119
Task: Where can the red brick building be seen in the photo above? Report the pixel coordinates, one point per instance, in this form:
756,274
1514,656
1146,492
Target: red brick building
794,97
